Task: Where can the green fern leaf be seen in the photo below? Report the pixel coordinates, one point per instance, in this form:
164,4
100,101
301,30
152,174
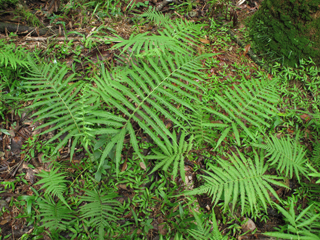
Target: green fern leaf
13,56
203,231
178,36
66,106
157,17
100,210
287,155
55,216
201,127
176,154
252,101
240,177
54,183
146,89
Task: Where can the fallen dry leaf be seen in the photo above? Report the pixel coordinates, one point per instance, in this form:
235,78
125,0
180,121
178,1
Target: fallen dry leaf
143,166
206,41
246,49
305,117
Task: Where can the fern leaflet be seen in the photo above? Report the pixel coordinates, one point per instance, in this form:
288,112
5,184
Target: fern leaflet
251,102
100,210
55,216
54,183
148,89
287,155
240,177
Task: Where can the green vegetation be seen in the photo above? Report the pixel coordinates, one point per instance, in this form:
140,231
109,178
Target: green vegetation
287,31
163,126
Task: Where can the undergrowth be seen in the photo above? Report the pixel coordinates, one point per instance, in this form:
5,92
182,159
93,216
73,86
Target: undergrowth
119,118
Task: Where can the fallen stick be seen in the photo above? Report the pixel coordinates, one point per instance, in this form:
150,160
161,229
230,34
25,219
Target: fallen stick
66,38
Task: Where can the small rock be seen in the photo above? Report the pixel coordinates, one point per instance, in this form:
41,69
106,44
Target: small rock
249,225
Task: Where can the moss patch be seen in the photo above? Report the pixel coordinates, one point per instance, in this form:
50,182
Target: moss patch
287,30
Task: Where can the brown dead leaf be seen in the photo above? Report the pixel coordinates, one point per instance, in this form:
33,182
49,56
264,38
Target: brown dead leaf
143,166
30,176
124,166
246,49
205,41
305,117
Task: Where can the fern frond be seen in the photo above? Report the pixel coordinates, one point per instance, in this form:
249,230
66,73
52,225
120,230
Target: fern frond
177,155
303,226
241,177
252,102
176,36
55,216
203,231
66,106
12,56
288,156
54,183
315,159
100,210
157,17
201,126
147,91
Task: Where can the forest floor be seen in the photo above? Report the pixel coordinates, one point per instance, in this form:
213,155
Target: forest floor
22,150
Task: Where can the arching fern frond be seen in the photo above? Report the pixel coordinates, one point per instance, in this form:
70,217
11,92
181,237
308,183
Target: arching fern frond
67,106
55,216
287,155
13,56
54,183
241,177
204,232
100,210
201,126
250,103
177,155
157,17
177,36
147,91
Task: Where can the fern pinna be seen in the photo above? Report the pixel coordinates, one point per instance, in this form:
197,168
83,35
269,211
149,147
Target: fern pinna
287,155
154,87
250,103
241,176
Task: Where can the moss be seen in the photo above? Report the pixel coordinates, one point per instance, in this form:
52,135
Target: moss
287,30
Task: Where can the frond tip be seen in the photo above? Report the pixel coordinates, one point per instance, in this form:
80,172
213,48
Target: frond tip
241,176
287,155
100,210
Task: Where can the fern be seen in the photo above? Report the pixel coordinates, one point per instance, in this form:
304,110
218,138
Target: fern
304,226
287,155
203,231
54,183
157,17
240,177
252,101
315,159
12,56
178,36
201,126
65,105
145,90
177,155
100,210
55,216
